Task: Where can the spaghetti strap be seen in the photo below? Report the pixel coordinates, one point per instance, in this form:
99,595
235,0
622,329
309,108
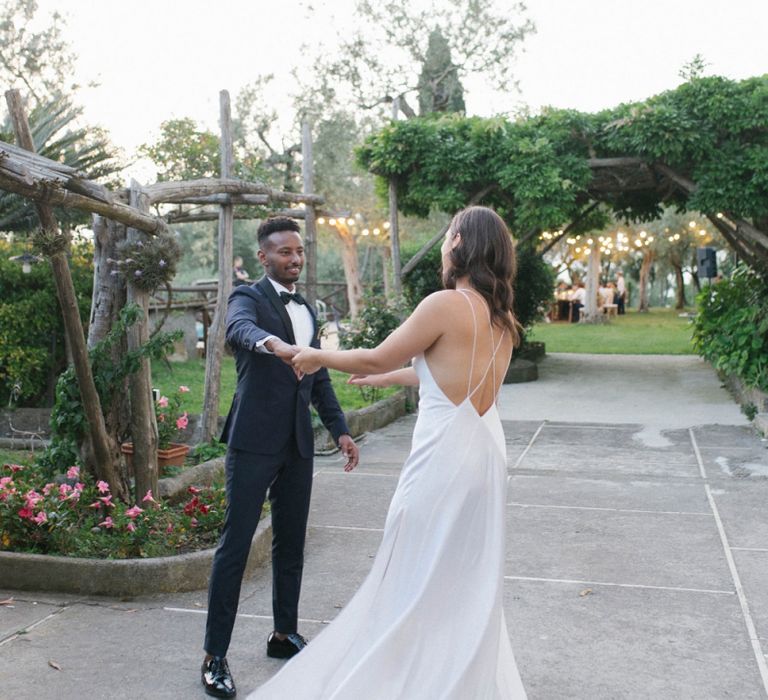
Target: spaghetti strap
496,346
474,344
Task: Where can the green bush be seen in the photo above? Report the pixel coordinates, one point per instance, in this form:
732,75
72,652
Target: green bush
533,286
731,327
32,349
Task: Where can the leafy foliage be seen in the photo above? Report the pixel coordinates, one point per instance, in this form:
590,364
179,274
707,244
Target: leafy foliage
713,131
731,327
68,421
77,517
32,350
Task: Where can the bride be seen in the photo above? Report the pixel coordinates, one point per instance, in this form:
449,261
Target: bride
428,621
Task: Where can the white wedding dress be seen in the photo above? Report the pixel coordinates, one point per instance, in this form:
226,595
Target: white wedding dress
427,623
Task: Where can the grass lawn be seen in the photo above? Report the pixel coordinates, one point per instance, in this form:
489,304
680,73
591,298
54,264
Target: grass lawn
658,332
168,376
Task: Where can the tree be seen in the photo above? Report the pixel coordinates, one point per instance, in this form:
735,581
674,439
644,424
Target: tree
385,57
440,89
39,62
183,151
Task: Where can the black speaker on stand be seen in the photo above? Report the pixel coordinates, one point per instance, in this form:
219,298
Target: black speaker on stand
706,262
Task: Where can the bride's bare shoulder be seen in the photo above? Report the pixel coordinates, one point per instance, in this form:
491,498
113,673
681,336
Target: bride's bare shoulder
445,298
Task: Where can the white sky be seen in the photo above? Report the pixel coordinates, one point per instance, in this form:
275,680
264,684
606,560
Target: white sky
160,59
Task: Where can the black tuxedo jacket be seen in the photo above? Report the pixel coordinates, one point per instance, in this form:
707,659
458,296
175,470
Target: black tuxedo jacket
271,405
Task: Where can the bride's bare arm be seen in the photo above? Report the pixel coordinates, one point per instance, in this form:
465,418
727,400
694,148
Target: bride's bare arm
417,333
400,377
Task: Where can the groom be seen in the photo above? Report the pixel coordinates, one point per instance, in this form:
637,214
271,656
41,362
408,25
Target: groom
270,446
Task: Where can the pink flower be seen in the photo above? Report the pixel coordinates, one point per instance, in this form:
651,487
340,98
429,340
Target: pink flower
73,472
149,498
161,418
32,498
134,512
40,518
6,481
26,513
131,527
65,490
169,529
14,467
103,486
182,421
107,522
95,504
48,488
162,402
183,389
193,522
79,487
193,490
107,501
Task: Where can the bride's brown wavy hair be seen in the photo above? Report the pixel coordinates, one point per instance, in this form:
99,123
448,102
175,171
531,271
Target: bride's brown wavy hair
487,256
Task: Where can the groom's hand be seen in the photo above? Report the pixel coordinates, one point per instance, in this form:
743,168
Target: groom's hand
282,349
350,450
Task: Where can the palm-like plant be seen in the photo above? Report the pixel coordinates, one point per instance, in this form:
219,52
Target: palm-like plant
58,134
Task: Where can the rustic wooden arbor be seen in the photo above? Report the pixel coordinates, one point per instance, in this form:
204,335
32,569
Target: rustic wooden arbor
126,215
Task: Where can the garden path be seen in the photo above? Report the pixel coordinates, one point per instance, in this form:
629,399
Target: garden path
637,551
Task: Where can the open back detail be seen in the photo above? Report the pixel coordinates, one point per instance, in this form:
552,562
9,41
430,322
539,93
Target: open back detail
428,620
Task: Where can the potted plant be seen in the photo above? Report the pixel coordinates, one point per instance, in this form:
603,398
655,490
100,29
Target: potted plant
170,422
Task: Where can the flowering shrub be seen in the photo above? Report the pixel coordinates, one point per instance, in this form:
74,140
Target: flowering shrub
150,262
78,517
170,419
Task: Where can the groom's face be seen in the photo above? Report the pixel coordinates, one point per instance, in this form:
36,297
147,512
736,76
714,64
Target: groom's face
282,255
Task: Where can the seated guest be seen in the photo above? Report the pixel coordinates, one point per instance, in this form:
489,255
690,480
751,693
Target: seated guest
605,294
578,299
563,296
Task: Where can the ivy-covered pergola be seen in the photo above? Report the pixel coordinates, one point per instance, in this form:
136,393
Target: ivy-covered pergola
702,147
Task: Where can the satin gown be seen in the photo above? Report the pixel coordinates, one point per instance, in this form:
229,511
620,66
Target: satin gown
427,622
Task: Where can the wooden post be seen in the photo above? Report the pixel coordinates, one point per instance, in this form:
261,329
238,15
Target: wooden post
143,421
394,230
310,225
102,457
209,421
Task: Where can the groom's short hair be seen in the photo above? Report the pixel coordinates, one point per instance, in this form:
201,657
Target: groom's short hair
275,224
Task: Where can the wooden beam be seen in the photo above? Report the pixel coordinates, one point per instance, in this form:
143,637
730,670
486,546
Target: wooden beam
209,421
394,225
104,451
57,196
175,192
310,224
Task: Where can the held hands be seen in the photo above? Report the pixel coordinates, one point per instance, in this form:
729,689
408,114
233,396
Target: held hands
307,360
285,352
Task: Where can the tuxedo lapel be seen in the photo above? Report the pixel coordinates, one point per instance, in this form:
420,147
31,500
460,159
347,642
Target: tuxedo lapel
279,307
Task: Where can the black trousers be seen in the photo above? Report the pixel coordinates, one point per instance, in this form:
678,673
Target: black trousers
288,477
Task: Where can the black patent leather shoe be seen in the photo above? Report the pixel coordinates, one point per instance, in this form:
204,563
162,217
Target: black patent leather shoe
285,648
216,678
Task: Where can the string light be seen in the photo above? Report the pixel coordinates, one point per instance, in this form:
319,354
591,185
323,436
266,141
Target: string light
321,221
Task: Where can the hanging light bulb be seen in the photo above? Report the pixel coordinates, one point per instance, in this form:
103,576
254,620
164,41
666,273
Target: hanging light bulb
321,220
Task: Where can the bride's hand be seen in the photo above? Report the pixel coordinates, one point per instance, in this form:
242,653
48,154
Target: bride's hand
307,360
367,380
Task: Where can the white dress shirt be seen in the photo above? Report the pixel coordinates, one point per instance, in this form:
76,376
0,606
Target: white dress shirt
301,320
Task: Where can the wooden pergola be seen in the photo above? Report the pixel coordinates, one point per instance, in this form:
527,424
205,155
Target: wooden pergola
125,214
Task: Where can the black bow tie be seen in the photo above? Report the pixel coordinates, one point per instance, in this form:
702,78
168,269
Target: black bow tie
287,296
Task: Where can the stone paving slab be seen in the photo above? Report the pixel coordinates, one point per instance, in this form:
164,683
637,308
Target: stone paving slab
753,572
628,643
22,614
613,492
616,547
743,506
351,500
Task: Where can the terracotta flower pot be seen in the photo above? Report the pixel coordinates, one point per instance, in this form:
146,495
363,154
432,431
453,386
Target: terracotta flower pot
173,456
